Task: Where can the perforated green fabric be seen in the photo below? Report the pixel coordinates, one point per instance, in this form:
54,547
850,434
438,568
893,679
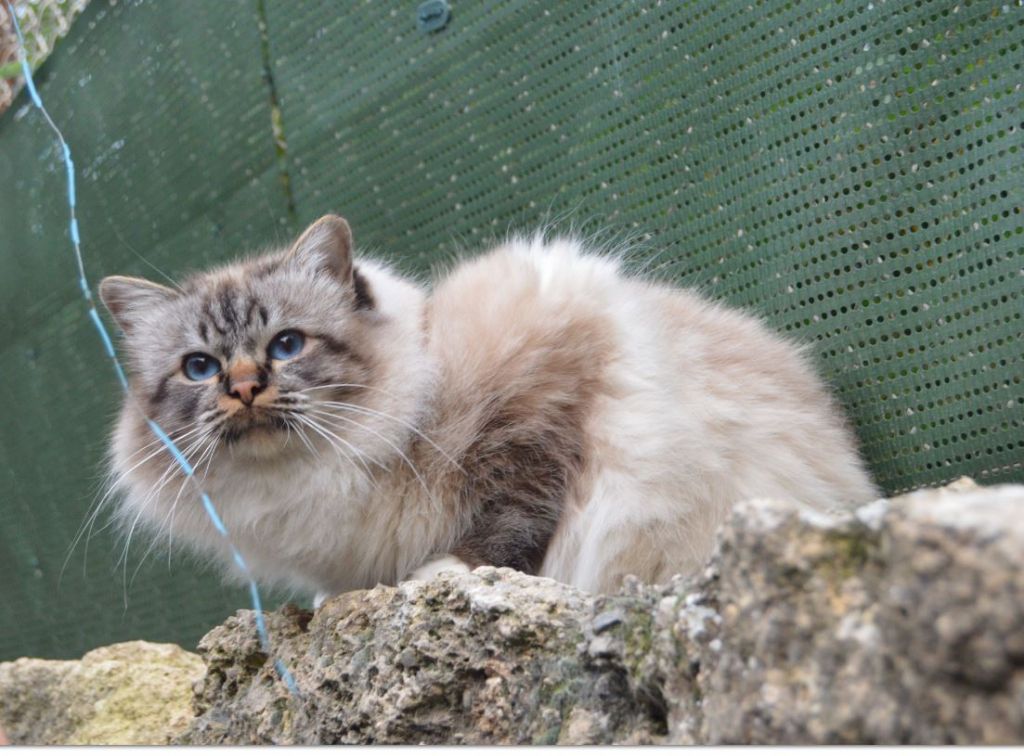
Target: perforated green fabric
850,171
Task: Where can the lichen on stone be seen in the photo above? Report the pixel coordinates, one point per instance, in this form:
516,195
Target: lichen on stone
133,693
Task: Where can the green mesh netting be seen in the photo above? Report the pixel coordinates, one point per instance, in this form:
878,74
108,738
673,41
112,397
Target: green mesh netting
851,171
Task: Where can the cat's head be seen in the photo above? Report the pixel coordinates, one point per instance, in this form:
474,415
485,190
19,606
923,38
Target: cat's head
264,355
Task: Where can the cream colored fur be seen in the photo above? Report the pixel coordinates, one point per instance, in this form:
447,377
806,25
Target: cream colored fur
695,406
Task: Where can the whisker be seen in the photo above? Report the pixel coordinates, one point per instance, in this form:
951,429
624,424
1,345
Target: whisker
325,386
378,413
304,439
192,428
359,456
205,452
207,457
110,490
162,481
399,452
177,441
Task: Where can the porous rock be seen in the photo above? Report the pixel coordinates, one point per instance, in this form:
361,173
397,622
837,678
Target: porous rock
900,623
134,693
491,657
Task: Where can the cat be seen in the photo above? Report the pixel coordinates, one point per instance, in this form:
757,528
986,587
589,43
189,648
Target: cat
538,409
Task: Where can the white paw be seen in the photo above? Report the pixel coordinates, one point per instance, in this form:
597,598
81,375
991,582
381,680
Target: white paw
439,565
319,599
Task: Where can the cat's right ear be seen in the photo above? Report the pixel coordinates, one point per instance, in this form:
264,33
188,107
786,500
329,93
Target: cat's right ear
126,298
326,245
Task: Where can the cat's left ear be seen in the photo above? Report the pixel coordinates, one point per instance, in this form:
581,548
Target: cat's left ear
326,245
130,300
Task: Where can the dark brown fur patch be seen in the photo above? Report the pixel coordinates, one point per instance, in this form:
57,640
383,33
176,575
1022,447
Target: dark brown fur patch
364,299
207,313
529,449
227,310
339,348
249,310
519,485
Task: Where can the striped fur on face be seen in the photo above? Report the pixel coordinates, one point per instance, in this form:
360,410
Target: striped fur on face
249,393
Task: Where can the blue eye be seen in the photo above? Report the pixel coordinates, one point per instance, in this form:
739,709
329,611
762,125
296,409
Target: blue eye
198,366
286,345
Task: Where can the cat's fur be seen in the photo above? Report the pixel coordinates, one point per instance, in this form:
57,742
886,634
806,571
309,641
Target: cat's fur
538,409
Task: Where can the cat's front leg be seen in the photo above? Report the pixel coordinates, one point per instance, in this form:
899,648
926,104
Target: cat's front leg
437,565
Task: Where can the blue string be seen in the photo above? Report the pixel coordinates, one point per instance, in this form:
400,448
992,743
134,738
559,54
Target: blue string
108,345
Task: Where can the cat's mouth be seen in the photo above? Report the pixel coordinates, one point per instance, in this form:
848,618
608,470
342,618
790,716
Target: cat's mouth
252,423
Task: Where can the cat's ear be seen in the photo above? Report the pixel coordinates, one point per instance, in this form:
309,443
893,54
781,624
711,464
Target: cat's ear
326,245
126,298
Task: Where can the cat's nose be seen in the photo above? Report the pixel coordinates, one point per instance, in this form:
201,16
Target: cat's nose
244,381
245,391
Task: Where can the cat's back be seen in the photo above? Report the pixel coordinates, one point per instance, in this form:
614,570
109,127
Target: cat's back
630,413
656,372
523,334
533,300
535,310
527,286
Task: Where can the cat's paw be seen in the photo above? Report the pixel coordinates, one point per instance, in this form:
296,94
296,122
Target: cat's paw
319,599
445,563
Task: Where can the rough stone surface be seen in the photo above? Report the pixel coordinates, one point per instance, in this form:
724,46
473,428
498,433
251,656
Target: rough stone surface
900,623
133,693
492,657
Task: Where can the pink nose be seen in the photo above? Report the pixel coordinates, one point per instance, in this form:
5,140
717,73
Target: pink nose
245,391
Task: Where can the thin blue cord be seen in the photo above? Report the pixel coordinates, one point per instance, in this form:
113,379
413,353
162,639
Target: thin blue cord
108,344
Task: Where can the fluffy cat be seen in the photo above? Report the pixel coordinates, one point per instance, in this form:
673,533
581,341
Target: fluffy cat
538,409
